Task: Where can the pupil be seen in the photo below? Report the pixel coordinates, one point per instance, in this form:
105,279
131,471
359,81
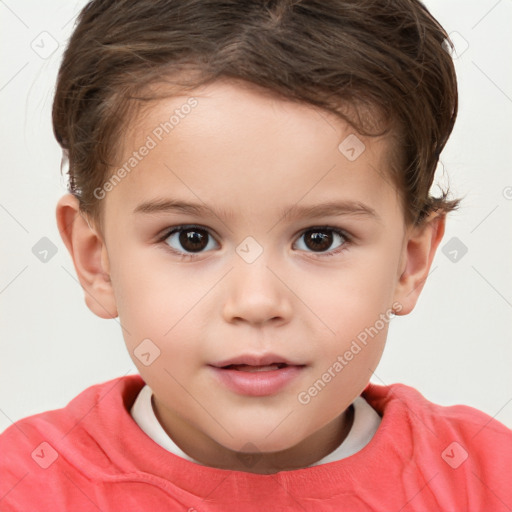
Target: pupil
192,239
321,241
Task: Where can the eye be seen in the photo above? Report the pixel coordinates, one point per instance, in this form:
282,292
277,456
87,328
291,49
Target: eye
320,239
188,239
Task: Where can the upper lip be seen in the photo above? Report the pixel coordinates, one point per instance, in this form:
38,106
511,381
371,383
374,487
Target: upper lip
255,360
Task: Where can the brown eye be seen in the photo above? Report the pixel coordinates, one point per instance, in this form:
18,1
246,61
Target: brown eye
193,239
318,241
189,239
321,240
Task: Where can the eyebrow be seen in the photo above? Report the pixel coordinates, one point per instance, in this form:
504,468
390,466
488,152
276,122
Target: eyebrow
333,208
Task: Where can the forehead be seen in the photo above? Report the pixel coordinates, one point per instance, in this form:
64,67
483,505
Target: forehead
232,143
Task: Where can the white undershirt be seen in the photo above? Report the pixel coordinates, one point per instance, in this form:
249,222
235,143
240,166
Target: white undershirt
365,424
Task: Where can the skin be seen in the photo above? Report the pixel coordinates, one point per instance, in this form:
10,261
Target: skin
254,156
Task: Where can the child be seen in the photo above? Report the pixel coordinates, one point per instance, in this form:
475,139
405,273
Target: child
298,142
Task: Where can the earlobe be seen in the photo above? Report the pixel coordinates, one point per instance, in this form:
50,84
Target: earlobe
90,257
418,253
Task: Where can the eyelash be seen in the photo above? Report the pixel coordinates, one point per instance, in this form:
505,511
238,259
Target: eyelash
189,256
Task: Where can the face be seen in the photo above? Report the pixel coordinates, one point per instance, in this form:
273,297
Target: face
220,247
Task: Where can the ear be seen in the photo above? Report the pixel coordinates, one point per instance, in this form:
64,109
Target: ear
90,257
420,245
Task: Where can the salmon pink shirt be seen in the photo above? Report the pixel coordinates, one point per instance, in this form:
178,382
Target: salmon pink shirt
92,456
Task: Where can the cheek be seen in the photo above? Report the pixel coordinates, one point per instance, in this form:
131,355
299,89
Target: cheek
150,299
355,303
160,302
146,284
353,297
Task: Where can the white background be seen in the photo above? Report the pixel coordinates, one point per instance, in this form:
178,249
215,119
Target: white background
456,347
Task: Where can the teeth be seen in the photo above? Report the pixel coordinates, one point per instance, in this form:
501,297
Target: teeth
248,368
261,368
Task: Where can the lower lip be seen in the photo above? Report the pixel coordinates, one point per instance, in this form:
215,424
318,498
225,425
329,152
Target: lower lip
261,383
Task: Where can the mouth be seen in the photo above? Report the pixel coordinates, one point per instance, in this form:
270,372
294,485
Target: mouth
257,375
256,362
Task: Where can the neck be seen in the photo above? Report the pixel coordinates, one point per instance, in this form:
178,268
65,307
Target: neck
208,452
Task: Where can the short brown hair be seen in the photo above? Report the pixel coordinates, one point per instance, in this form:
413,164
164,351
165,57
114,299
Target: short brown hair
375,56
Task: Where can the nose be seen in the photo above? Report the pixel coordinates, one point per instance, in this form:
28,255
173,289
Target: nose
256,294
